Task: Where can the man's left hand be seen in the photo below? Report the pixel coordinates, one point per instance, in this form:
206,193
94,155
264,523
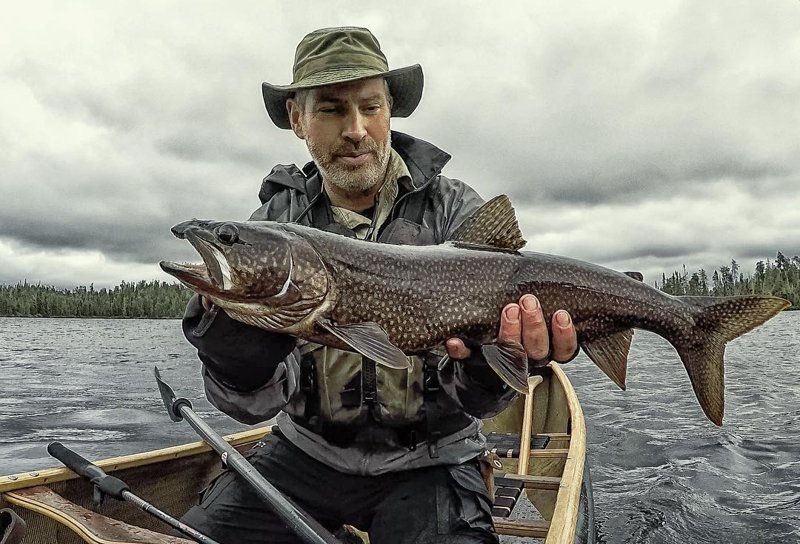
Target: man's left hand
524,323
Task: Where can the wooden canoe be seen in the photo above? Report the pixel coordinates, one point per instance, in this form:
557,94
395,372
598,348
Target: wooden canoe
56,505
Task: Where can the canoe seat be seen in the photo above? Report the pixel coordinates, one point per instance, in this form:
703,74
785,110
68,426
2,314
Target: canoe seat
508,490
508,444
506,494
89,526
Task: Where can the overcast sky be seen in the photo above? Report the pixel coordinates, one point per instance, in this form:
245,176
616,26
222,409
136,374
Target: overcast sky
641,135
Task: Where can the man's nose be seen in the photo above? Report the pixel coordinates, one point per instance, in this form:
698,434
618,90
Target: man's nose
355,128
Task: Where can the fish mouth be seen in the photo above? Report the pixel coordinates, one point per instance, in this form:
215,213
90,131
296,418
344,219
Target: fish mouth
213,274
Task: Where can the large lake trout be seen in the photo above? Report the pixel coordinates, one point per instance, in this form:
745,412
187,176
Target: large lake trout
387,301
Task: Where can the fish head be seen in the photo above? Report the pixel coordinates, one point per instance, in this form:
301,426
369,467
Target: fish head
258,271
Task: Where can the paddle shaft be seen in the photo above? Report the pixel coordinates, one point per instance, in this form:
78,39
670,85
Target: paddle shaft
110,485
300,522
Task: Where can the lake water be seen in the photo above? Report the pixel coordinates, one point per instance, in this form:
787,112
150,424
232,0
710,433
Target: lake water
662,472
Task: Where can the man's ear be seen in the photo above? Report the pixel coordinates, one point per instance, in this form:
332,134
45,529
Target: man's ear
295,112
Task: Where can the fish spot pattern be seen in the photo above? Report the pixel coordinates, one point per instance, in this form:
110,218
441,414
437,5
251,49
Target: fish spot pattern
422,295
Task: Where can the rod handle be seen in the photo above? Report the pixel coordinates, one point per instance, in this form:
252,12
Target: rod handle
80,466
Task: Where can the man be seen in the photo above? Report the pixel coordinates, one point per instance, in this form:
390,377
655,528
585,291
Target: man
393,452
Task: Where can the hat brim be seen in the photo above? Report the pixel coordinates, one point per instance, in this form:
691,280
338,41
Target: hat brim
405,86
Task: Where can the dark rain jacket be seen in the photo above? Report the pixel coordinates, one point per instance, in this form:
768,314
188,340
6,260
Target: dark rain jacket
253,375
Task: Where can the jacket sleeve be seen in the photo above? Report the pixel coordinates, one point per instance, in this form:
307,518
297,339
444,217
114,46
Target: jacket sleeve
475,387
248,373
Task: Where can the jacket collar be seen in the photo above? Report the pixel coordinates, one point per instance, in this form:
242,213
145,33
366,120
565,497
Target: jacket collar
423,159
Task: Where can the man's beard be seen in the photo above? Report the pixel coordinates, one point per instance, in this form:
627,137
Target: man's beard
349,178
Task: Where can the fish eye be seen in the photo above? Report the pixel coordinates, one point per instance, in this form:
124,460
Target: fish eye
227,233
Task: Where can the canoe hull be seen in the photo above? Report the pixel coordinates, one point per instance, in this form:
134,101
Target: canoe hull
555,411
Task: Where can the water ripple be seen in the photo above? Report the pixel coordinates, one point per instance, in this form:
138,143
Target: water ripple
662,473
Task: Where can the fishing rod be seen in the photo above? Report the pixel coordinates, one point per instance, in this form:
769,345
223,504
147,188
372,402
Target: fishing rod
116,488
306,527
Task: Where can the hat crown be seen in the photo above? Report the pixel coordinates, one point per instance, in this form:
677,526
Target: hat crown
338,49
332,56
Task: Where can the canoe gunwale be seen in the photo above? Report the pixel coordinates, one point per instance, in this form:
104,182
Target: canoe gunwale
112,464
565,515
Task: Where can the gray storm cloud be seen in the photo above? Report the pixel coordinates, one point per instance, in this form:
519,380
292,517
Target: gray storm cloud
638,135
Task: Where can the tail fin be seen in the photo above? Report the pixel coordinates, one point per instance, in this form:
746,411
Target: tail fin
719,320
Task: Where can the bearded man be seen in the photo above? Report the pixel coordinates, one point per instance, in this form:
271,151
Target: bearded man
393,452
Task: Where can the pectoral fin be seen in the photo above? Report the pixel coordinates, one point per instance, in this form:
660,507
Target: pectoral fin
509,360
371,341
611,355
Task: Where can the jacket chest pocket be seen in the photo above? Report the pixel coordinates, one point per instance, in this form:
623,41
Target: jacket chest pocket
350,389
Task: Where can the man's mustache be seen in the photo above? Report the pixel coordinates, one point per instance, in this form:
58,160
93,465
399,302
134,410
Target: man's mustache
363,146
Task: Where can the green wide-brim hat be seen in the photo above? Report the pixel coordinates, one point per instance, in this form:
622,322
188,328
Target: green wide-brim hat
339,55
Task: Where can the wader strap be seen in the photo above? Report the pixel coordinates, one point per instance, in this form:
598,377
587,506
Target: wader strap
430,398
351,392
369,387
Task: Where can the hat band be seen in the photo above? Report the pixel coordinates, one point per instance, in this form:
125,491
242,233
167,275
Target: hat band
339,62
332,76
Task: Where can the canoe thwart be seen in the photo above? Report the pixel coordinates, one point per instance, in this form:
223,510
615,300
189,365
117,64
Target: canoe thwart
507,444
535,528
527,481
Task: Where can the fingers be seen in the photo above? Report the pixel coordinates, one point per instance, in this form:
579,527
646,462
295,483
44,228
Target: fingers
535,336
565,338
510,325
456,349
524,323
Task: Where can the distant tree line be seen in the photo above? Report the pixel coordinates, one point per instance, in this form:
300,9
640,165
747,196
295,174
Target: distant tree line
780,278
152,299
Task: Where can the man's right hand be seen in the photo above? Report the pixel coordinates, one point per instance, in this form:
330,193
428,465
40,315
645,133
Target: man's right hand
524,323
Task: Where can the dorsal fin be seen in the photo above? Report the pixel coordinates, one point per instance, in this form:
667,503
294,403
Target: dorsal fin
638,276
494,224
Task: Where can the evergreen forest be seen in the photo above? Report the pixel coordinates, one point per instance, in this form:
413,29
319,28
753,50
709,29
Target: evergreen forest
156,299
780,278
